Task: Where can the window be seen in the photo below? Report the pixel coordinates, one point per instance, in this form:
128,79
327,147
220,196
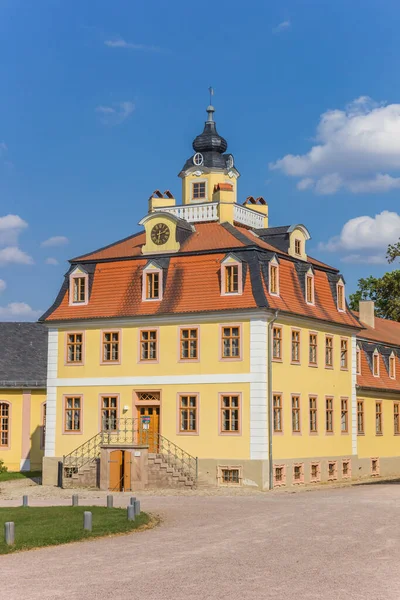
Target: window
310,289
329,415
277,343
344,354
378,417
298,473
73,416
346,468
231,279
396,418
79,290
360,416
332,470
74,347
375,364
297,247
4,424
312,358
230,476
277,400
329,351
358,361
279,475
109,413
344,415
188,414
315,472
189,344
340,297
295,346
153,285
273,279
230,411
231,342
199,190
148,344
375,466
296,414
110,346
392,366
313,414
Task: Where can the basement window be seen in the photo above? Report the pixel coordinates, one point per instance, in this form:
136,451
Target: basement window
374,466
228,475
279,475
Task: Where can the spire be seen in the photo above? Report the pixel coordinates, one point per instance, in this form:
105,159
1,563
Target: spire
210,140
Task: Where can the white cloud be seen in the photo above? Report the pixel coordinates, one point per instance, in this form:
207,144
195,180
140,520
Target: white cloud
116,114
51,261
10,228
356,149
121,43
3,285
57,240
14,255
284,26
374,259
19,311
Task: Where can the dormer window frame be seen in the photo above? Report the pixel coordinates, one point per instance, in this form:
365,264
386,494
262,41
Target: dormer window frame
392,366
297,247
273,266
358,360
149,271
74,287
229,262
310,278
375,362
341,300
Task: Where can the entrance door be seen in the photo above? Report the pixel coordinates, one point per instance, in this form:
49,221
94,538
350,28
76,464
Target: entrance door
149,426
127,470
120,462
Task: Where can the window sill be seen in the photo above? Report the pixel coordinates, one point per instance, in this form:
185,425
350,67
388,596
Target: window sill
313,365
295,363
277,360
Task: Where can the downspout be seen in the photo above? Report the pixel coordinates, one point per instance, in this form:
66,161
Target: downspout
269,401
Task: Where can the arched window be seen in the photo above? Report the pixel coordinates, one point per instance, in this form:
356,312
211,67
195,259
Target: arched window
4,424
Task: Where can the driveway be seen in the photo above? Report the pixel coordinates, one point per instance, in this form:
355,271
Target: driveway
333,544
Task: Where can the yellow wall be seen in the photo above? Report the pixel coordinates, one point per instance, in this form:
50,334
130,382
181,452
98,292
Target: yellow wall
303,380
370,444
38,398
212,179
168,364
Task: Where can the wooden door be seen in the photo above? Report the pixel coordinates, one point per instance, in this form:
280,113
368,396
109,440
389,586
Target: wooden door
127,470
149,426
115,463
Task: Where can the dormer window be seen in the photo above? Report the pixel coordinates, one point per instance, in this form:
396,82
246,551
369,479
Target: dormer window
392,366
199,190
310,288
231,276
78,287
274,278
358,361
297,247
341,301
375,363
152,282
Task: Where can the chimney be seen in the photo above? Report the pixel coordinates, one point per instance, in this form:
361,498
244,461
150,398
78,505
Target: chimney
367,312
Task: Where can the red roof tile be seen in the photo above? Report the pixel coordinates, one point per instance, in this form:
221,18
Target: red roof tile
367,380
385,331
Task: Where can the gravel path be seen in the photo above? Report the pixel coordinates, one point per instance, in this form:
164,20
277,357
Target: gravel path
331,544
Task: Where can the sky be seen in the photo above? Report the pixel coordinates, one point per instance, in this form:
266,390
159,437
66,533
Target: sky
100,102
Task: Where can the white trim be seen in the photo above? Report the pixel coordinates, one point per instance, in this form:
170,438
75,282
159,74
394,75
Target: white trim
354,394
153,381
258,389
51,401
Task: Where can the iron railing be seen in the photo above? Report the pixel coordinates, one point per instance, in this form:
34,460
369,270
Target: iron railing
176,457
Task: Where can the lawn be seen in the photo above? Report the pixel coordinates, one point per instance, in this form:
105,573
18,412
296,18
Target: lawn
51,525
9,475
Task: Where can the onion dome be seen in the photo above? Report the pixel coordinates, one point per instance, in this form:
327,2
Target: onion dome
210,140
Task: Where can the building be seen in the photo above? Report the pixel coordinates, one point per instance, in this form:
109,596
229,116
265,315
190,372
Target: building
23,374
209,346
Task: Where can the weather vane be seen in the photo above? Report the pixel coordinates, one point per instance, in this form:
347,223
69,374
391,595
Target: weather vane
211,90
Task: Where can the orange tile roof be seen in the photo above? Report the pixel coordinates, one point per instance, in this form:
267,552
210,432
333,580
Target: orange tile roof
366,379
385,331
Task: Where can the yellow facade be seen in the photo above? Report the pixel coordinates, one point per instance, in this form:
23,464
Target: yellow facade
211,179
371,443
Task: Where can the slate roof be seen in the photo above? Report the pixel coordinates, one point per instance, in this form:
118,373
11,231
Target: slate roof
23,355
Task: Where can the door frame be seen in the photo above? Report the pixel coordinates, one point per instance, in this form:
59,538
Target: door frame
136,404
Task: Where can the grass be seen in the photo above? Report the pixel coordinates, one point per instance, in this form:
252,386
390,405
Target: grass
9,475
51,525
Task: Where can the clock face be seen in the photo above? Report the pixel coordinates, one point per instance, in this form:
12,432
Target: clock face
160,234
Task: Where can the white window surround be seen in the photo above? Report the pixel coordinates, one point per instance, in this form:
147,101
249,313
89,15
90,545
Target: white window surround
231,261
375,354
78,273
310,275
358,360
152,268
392,360
340,283
273,263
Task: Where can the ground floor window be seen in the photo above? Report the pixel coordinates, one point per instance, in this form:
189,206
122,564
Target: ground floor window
109,412
73,414
4,424
188,414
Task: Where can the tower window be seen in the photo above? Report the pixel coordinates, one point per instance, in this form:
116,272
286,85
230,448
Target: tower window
199,190
297,247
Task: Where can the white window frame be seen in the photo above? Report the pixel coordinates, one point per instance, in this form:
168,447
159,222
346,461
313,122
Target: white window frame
310,275
152,268
273,263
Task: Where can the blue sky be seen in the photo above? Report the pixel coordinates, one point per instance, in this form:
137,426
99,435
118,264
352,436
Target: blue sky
101,100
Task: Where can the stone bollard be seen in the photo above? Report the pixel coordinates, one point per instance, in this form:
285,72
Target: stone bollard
75,500
9,533
132,500
87,520
24,500
110,501
137,507
131,512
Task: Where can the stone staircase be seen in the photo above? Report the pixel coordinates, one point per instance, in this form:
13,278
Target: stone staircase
162,473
